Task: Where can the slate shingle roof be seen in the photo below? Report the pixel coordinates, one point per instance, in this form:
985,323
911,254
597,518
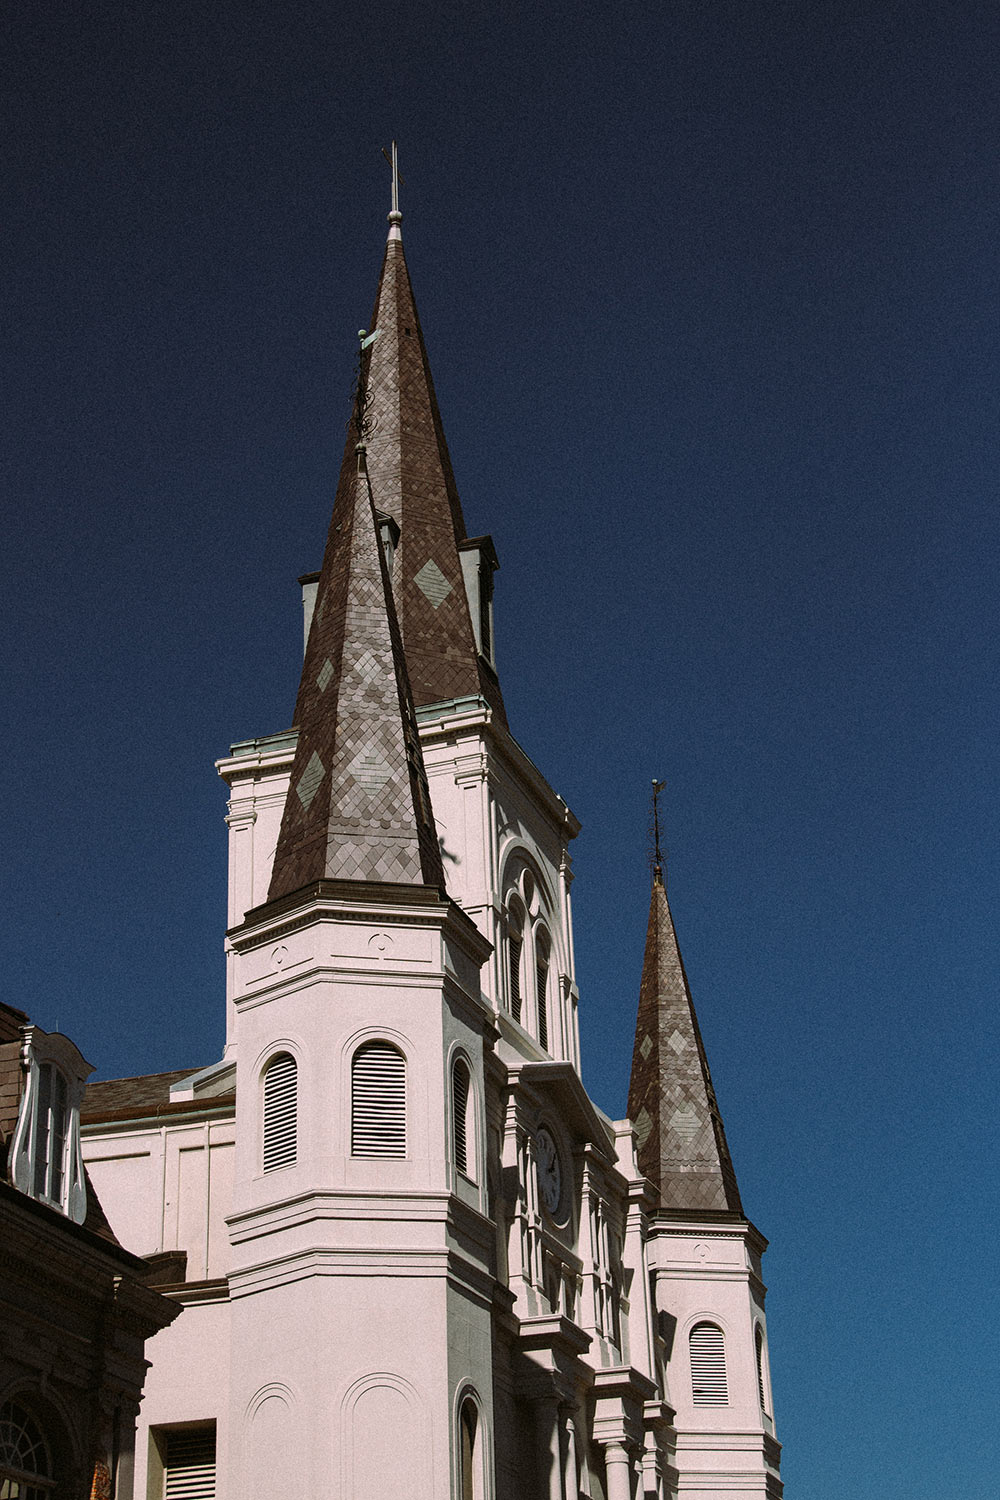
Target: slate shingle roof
358,807
130,1098
682,1145
412,480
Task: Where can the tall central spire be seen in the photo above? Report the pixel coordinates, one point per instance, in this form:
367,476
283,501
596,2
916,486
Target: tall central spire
412,480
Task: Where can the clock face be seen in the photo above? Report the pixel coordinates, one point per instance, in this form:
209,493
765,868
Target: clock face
549,1170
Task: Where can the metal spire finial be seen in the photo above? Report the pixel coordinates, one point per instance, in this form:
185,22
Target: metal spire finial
395,217
657,852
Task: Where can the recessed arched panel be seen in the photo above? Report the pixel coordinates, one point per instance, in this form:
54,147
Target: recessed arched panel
385,1440
272,1445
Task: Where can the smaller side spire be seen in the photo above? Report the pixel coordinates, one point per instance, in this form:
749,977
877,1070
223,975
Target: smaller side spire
358,806
681,1141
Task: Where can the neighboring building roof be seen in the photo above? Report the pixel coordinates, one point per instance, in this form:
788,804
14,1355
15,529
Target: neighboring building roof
136,1098
358,806
671,1101
412,480
11,1021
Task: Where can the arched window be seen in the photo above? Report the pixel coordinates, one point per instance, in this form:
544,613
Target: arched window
515,947
463,1119
470,1462
280,1112
541,990
25,1461
759,1346
708,1365
530,977
378,1101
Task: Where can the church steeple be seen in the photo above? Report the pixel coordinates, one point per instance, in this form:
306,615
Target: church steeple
358,807
412,480
671,1101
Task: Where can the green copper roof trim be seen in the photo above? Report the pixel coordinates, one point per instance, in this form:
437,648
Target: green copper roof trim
286,740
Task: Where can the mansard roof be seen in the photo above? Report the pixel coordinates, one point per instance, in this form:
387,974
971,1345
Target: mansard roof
671,1101
413,481
358,807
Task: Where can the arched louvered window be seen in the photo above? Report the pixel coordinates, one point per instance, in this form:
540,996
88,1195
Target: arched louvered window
542,999
463,1121
515,943
280,1112
378,1101
189,1464
708,1365
759,1345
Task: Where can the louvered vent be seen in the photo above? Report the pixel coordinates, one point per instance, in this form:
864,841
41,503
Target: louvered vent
514,956
378,1101
280,1113
485,620
460,1104
708,1366
189,1467
759,1341
541,983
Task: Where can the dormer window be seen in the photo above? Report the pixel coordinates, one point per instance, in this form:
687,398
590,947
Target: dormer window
52,1132
479,563
47,1160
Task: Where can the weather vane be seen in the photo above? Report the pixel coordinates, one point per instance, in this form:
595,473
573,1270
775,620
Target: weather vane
365,421
657,852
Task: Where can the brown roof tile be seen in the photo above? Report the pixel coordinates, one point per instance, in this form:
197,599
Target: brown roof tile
358,807
11,1021
671,1101
412,480
116,1098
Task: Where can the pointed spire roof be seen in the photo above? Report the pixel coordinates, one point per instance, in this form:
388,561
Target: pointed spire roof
671,1101
358,807
412,480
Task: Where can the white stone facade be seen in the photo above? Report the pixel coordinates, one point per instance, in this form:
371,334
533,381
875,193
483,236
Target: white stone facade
341,1312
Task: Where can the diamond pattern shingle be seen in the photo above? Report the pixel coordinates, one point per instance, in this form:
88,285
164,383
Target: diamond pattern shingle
370,818
681,1141
412,480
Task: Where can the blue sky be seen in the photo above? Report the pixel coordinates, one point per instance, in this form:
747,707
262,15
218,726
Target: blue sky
710,294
